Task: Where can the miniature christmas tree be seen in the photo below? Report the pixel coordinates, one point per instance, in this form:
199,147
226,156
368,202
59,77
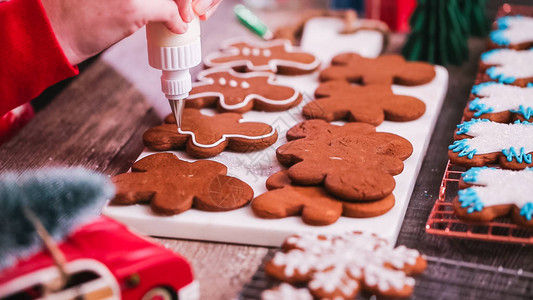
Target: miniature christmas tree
60,199
474,12
438,33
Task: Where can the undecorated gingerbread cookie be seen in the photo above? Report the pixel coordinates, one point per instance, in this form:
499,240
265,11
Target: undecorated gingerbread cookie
208,136
172,186
340,266
277,56
353,161
508,66
515,32
241,92
488,193
481,142
386,69
340,100
313,203
500,103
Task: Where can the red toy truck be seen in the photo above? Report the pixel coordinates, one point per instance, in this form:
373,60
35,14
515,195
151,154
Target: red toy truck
105,261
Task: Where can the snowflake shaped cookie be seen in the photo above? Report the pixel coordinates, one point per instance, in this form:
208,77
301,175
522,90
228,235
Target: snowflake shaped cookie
241,92
509,66
488,193
500,102
513,32
277,56
481,142
339,266
286,291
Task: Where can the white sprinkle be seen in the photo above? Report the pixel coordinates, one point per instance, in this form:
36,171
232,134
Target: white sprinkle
233,83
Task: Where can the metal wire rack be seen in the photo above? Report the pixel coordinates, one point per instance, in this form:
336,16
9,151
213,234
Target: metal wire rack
443,221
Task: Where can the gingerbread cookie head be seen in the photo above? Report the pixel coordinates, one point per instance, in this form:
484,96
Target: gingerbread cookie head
339,266
489,193
277,56
481,142
313,203
386,69
501,103
206,136
353,161
515,32
241,92
172,186
508,66
340,100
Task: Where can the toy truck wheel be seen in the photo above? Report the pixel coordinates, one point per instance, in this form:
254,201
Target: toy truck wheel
158,293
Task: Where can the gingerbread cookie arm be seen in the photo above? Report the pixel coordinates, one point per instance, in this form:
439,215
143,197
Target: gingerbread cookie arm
415,73
340,73
164,137
125,195
307,128
357,185
402,108
333,109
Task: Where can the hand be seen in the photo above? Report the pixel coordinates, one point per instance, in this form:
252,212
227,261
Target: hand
85,27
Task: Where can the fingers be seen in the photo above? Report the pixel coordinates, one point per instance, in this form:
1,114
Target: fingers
201,7
167,12
209,13
185,9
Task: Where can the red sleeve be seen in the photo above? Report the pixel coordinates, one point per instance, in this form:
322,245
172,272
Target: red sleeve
30,56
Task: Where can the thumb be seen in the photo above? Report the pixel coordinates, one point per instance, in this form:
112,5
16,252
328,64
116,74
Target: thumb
166,12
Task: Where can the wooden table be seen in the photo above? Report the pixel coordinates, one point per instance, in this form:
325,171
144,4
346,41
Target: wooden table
98,119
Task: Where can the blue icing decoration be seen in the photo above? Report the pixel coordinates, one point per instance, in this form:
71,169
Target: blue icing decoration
527,211
469,198
498,38
476,89
503,22
480,108
529,84
465,126
463,149
522,122
527,112
520,157
486,55
471,174
493,73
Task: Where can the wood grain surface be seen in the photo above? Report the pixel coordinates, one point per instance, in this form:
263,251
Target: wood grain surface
98,119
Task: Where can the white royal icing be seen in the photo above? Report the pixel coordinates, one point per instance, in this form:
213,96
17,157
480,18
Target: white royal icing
233,83
222,81
286,291
256,52
267,52
272,64
204,80
502,97
519,30
359,255
498,187
490,137
511,63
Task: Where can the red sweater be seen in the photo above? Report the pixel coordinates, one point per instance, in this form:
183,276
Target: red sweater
30,56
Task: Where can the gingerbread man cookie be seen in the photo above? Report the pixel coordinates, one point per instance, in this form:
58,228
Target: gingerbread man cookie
313,203
241,92
488,193
353,161
277,56
172,186
481,142
515,32
501,103
340,266
508,66
386,69
340,100
207,136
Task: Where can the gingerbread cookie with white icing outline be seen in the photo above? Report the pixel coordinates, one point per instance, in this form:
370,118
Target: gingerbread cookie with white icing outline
172,186
207,136
488,193
514,32
339,266
372,104
277,56
241,92
352,162
507,66
500,103
313,203
481,142
386,69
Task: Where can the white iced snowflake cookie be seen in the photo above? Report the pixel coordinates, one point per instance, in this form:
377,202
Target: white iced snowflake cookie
277,56
481,142
513,32
489,193
509,66
339,266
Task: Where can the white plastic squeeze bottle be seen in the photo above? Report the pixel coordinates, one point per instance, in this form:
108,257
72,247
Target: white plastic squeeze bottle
174,54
